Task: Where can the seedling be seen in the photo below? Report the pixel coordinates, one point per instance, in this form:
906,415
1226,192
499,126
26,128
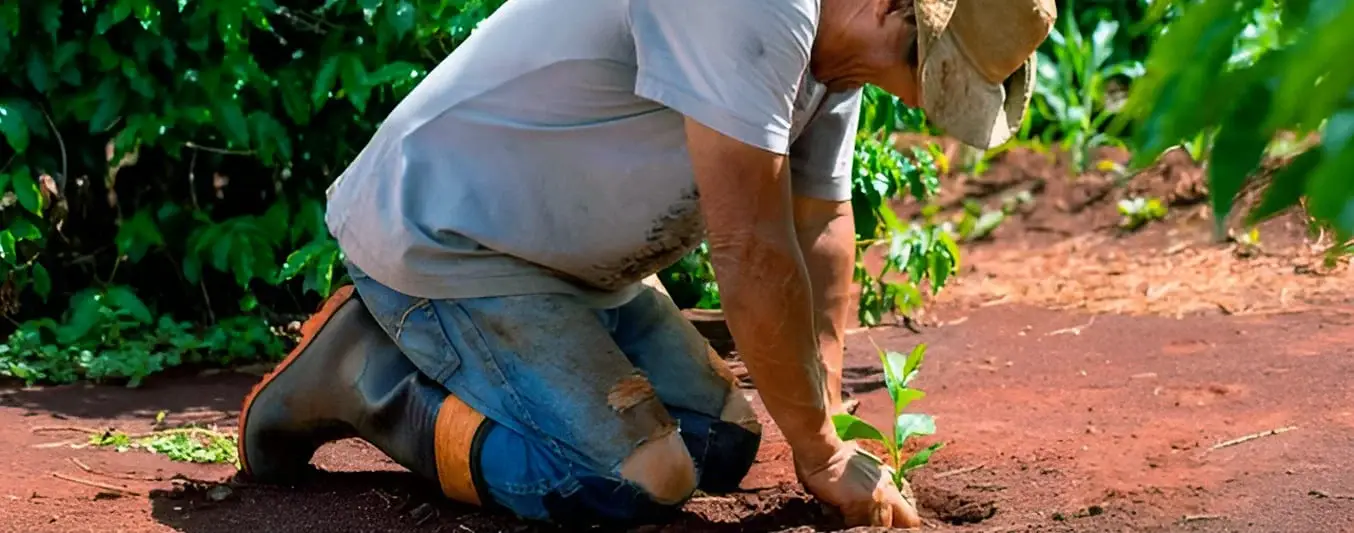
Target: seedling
1139,211
899,371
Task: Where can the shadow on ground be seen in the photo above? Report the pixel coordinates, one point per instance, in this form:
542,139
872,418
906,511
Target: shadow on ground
400,501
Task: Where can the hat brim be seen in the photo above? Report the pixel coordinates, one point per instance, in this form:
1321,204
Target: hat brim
962,102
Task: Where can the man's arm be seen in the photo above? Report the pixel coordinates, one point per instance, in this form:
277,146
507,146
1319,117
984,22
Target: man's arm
820,164
827,236
764,284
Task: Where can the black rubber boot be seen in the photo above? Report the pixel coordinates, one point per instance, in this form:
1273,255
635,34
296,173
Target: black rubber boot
348,379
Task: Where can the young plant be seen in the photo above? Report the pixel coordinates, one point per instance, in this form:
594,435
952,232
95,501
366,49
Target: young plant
899,371
1139,211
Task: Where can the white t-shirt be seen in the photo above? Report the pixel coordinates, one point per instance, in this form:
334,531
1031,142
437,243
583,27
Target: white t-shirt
547,153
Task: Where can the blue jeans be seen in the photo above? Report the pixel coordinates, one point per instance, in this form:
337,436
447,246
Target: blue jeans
548,372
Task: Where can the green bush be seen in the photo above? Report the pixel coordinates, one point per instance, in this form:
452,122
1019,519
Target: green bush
172,156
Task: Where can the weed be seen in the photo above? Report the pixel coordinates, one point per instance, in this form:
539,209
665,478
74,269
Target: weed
111,335
1139,211
899,371
188,444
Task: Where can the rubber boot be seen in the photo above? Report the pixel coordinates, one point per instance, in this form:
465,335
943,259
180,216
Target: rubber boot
348,379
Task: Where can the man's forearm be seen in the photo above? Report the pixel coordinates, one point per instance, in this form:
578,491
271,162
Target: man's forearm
826,234
764,285
767,297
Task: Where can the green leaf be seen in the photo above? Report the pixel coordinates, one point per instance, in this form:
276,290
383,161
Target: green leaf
894,370
294,98
1286,187
122,297
232,121
1237,151
42,281
26,189
192,268
913,364
354,76
84,315
13,125
38,73
400,15
24,230
912,424
325,79
111,97
905,398
851,427
7,250
920,458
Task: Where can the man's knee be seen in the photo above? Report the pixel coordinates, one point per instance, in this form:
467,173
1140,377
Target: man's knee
738,411
663,468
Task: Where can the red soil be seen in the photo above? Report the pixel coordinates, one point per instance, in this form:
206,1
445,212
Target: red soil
1055,420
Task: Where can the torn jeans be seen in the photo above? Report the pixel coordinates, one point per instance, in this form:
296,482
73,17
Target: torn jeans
563,384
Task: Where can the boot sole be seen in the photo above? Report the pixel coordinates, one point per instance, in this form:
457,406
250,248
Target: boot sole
309,331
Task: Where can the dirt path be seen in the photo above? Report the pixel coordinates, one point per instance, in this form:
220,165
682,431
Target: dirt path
1109,427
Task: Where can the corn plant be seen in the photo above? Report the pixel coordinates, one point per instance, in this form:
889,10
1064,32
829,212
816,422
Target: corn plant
899,371
1071,92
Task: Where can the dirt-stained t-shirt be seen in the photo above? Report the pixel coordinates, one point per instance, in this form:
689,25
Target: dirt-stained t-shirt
547,154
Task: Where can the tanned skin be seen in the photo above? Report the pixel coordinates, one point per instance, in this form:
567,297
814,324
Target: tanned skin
784,264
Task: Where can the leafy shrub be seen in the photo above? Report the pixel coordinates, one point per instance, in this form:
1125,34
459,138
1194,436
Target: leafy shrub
168,159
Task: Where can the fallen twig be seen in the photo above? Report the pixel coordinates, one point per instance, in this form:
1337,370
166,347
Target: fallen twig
127,477
956,472
1200,517
1324,494
95,484
1252,437
1074,330
48,429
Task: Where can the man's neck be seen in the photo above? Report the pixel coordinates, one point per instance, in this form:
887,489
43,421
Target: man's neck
834,59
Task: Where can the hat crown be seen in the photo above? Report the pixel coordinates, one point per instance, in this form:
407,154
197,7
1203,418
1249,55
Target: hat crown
996,36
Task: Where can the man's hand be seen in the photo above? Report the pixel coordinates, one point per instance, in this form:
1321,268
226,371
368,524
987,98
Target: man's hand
861,488
767,299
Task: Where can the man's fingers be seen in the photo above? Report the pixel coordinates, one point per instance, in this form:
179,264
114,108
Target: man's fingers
905,518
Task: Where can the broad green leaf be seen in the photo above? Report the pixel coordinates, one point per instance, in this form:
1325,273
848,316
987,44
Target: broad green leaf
14,126
84,315
38,73
23,230
905,398
1237,151
192,268
122,297
912,424
354,77
26,189
111,98
851,427
1286,187
232,122
7,249
325,79
42,281
400,14
920,458
913,363
895,368
1330,191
